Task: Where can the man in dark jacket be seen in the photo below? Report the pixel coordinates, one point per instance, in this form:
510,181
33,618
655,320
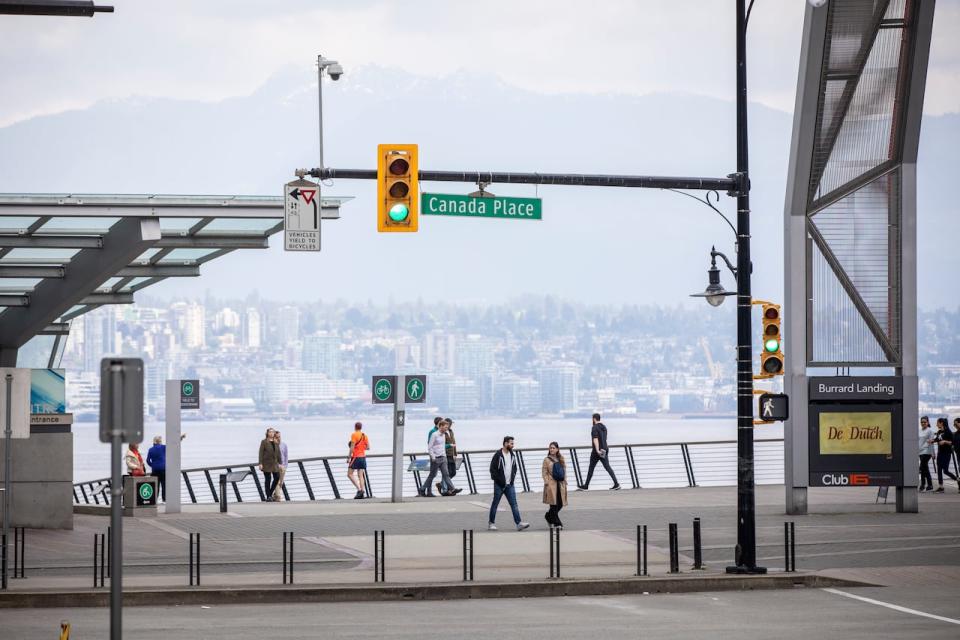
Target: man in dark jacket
503,471
598,453
157,459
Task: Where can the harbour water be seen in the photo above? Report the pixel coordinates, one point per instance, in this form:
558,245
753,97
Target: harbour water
237,442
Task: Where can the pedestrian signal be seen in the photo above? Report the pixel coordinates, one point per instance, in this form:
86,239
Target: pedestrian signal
771,354
397,188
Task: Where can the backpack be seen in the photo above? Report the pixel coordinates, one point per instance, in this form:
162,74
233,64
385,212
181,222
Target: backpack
559,473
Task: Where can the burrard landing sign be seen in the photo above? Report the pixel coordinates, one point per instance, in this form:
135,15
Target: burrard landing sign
860,388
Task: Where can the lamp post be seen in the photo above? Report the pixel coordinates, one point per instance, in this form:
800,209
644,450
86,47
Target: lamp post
745,555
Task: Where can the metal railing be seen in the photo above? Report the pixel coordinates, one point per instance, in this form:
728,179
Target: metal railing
672,464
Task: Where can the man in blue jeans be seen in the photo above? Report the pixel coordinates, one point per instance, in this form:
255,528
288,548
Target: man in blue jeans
503,471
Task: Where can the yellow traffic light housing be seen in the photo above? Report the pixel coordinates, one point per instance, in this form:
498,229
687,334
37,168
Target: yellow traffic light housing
398,188
771,353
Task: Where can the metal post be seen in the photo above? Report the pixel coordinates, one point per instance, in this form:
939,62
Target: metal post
379,559
284,557
116,498
674,549
172,420
223,493
291,557
109,542
3,562
746,549
320,105
7,464
104,561
19,552
468,554
399,396
697,546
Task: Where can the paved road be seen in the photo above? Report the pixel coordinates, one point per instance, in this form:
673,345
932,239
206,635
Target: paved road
799,614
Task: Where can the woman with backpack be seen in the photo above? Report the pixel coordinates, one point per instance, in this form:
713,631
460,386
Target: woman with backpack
554,484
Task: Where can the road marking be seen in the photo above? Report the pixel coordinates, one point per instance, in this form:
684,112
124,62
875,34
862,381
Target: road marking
895,607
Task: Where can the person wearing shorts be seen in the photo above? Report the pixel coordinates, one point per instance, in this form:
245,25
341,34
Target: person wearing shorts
357,464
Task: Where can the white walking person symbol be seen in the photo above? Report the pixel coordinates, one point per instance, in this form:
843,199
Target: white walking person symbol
768,408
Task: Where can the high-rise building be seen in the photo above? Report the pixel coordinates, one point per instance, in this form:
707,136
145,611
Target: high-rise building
99,337
437,352
559,385
288,324
453,395
514,396
252,328
321,354
475,356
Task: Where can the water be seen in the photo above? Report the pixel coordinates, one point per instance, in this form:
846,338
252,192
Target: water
237,442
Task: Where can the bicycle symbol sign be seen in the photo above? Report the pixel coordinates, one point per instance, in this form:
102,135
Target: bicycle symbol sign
383,389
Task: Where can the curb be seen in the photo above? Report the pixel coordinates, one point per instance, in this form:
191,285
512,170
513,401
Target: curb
140,597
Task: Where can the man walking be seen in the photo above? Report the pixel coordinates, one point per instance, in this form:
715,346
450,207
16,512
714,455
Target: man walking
503,471
598,434
357,463
437,450
284,459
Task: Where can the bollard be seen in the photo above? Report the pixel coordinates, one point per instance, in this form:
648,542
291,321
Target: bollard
223,493
64,630
379,570
641,550
19,553
288,557
697,546
789,547
554,551
674,549
194,559
99,544
468,555
109,541
3,562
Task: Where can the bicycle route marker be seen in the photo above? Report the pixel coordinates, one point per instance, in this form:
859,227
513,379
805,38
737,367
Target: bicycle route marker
447,204
384,389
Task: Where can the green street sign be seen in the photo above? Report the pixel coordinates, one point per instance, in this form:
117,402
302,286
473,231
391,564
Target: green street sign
188,388
383,389
416,388
189,394
446,204
146,490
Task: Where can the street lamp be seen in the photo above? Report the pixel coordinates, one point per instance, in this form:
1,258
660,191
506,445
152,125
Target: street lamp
715,293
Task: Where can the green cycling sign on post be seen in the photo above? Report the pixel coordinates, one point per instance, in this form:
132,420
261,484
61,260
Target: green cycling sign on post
446,204
189,394
384,389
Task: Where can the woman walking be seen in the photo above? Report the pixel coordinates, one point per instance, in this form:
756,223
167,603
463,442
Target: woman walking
269,459
944,440
554,484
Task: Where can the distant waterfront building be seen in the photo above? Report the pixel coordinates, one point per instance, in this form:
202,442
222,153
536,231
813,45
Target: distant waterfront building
190,319
321,354
453,395
297,386
288,324
252,328
515,396
475,357
559,386
99,337
437,352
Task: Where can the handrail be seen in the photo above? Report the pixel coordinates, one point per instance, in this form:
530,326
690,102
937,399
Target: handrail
649,464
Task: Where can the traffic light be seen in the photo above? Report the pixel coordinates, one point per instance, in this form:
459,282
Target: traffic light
398,189
771,355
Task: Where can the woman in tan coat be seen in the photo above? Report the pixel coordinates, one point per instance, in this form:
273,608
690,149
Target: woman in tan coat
554,490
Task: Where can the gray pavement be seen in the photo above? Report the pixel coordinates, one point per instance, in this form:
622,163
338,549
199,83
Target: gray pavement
745,615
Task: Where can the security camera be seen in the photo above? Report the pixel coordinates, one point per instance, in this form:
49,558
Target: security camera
816,4
335,70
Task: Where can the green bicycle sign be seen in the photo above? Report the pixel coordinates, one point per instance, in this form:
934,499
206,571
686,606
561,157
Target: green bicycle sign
188,388
383,389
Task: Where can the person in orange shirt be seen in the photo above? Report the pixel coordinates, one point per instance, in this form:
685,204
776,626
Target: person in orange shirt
359,443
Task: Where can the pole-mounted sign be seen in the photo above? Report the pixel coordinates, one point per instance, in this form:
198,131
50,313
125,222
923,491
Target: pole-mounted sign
301,216
189,394
398,390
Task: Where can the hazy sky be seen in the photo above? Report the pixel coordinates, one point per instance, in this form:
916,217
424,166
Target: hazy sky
214,49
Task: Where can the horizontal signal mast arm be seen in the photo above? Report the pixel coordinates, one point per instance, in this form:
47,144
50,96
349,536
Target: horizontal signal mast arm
729,184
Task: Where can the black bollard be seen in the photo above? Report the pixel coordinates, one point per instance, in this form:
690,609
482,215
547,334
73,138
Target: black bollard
468,555
554,551
3,562
674,549
789,547
223,493
697,546
288,557
379,570
194,559
641,550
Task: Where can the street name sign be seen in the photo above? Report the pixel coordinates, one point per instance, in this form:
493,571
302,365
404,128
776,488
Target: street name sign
446,204
301,216
384,389
415,389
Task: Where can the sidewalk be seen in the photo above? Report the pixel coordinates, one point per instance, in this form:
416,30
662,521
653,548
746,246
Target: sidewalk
334,540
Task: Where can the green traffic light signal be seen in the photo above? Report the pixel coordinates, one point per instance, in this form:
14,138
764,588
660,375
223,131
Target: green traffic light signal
771,345
399,212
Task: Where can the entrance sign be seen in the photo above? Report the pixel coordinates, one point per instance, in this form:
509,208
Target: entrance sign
189,394
416,389
301,216
445,204
855,427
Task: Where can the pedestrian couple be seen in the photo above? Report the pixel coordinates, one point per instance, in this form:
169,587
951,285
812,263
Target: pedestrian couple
939,445
442,450
273,460
503,472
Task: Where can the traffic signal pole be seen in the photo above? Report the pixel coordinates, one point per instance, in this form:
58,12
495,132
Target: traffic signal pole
736,185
